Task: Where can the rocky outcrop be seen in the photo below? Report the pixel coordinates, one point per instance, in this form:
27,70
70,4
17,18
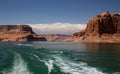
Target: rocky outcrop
104,27
102,24
18,33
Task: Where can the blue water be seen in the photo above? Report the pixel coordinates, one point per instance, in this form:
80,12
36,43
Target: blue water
59,58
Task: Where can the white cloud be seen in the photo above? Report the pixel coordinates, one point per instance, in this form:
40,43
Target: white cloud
57,28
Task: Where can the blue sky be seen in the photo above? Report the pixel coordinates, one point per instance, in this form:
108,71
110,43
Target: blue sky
53,11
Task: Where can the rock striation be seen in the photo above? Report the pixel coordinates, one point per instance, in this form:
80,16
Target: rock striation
18,33
104,27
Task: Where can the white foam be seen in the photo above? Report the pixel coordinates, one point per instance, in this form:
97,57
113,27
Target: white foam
48,63
19,66
38,58
57,52
19,44
70,67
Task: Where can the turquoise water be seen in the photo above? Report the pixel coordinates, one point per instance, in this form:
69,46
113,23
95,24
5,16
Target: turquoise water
59,58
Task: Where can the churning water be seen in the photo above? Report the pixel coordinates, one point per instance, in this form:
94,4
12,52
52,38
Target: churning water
59,58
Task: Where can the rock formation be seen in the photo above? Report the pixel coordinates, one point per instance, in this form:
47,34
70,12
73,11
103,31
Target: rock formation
18,33
104,27
102,24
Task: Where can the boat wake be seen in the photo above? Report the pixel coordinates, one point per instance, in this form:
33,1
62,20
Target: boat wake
19,66
48,63
68,67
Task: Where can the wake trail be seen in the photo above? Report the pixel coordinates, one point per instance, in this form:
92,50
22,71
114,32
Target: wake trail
71,67
48,63
19,66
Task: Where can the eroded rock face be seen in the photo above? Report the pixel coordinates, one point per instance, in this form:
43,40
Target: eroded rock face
104,27
18,33
102,24
116,21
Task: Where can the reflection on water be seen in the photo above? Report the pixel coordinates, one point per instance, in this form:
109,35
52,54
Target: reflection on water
114,47
105,55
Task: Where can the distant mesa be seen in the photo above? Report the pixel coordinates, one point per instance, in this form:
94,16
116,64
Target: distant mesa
104,27
19,33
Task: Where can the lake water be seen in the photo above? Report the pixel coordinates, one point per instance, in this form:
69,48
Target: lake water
59,58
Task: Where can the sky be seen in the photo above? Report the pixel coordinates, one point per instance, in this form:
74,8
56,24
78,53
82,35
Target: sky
54,11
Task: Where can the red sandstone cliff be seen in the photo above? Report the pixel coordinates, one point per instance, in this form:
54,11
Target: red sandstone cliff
18,33
104,27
